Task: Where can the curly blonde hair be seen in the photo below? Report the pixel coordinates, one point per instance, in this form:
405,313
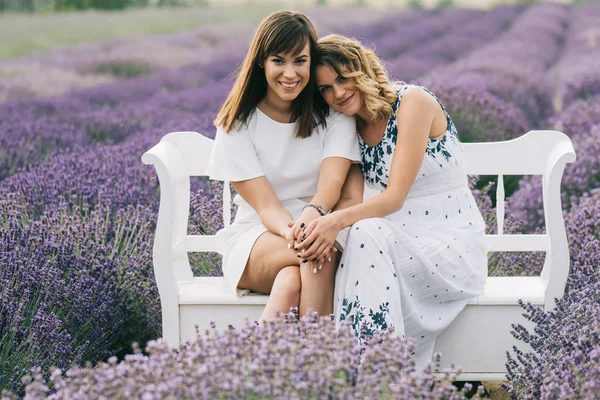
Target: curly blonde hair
351,60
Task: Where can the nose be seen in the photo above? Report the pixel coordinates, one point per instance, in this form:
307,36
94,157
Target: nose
338,92
289,71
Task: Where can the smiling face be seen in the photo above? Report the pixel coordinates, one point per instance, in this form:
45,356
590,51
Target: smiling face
287,75
338,92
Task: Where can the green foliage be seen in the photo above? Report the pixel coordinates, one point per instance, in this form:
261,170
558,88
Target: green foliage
444,4
61,5
24,32
577,2
123,68
415,4
182,3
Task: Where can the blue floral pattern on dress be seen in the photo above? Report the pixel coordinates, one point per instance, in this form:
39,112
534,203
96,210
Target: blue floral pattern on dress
374,166
367,323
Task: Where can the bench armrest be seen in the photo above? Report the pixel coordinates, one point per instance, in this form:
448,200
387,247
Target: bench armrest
171,263
556,267
168,161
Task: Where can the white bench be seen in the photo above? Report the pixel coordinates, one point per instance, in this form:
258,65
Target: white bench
476,341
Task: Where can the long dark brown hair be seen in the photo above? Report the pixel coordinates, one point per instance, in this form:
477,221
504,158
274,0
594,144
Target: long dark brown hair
283,32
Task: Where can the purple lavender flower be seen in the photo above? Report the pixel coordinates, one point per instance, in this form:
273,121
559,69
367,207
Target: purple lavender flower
285,358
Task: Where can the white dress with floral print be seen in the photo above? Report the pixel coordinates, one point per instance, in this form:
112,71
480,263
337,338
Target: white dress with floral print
414,270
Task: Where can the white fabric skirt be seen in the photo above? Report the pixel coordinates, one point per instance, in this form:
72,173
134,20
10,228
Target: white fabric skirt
236,241
413,270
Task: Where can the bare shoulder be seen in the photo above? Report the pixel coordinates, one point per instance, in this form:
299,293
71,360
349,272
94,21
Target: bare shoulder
417,96
417,104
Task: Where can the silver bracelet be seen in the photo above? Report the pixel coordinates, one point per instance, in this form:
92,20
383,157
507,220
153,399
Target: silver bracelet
320,209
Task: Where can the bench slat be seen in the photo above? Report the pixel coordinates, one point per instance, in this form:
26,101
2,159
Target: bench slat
213,290
518,242
500,290
500,204
201,243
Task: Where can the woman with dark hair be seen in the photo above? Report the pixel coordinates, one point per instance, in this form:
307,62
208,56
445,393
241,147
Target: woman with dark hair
288,159
416,251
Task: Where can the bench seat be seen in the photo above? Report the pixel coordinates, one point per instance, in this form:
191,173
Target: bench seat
498,291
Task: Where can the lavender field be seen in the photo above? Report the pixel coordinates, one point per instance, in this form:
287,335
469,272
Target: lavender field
78,208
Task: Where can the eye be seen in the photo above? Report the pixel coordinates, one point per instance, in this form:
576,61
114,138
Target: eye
277,60
324,89
301,61
341,79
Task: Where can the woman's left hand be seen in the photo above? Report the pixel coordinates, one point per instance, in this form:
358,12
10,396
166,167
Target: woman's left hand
309,214
318,237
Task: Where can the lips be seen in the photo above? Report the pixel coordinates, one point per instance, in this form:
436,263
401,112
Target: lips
346,101
289,85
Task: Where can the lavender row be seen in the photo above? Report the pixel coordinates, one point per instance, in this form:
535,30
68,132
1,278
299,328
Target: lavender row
72,287
411,34
573,85
61,126
457,42
576,74
511,68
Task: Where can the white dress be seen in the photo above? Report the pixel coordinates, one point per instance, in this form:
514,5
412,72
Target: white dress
414,270
268,148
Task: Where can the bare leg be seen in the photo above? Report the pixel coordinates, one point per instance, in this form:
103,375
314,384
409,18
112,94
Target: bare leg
272,269
317,289
285,293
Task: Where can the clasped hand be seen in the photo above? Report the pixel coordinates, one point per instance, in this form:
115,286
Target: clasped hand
313,240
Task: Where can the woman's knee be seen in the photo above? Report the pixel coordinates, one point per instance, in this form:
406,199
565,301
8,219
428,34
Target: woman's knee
366,230
315,272
288,283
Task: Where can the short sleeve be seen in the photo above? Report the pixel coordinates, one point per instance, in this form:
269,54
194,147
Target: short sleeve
340,138
233,157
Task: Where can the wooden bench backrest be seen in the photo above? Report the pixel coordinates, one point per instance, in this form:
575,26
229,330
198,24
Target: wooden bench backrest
180,155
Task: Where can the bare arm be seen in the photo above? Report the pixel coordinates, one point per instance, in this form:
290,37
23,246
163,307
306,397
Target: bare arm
260,195
332,175
353,190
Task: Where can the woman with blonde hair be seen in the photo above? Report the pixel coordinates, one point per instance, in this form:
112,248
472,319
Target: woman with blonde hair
287,158
416,252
